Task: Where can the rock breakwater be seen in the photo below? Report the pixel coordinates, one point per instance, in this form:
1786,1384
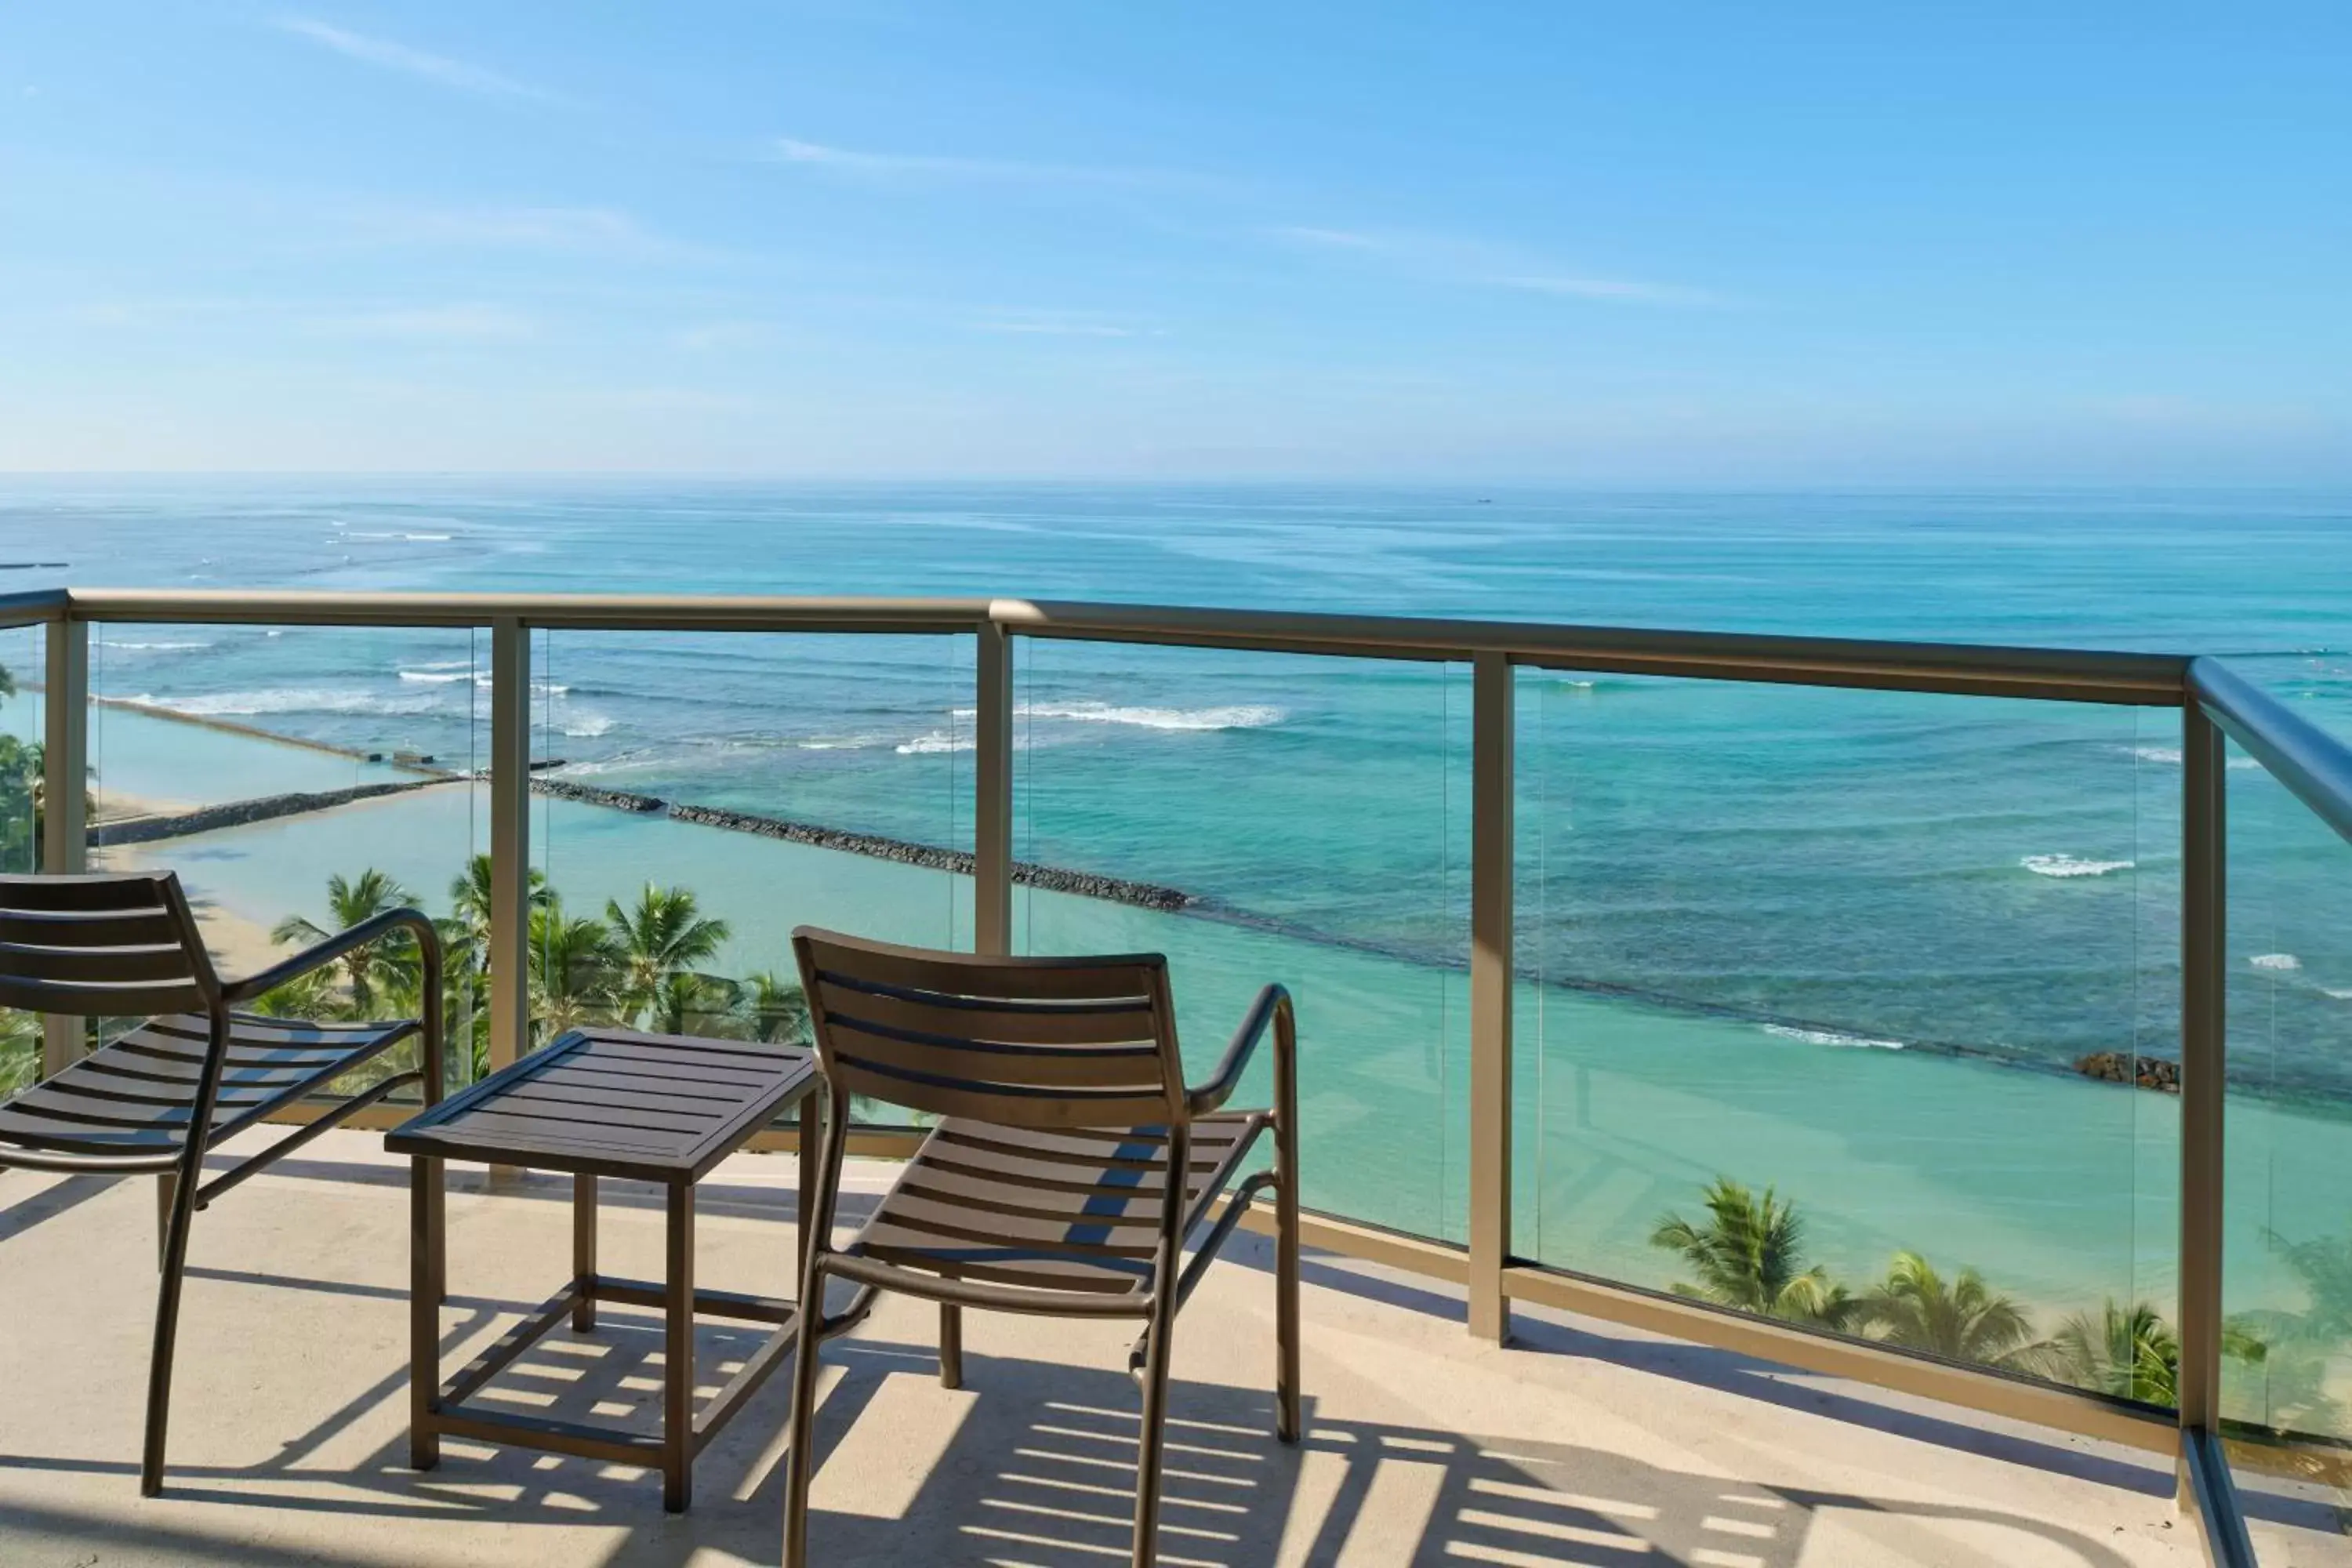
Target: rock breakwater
239,812
906,852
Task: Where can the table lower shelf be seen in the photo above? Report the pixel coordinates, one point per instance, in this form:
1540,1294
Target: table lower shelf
449,1415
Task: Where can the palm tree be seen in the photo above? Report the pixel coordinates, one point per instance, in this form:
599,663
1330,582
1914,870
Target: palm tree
469,904
775,1008
2129,1353
662,941
1963,1320
1750,1255
573,965
311,995
20,1048
367,971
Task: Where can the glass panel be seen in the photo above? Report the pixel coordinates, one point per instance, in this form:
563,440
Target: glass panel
1309,820
698,797
1817,990
2287,1264
298,779
22,655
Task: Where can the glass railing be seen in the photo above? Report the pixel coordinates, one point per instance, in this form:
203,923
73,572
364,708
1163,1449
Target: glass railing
1857,1010
698,797
21,676
301,779
2287,1383
1266,816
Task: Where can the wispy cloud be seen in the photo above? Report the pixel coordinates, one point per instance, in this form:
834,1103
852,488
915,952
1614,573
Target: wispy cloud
996,171
1480,263
444,323
389,56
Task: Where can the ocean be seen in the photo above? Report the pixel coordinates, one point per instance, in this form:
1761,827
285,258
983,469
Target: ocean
1848,944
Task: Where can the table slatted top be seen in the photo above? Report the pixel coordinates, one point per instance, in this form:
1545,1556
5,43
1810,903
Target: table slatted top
616,1102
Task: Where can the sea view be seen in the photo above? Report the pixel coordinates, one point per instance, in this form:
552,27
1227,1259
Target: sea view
1848,944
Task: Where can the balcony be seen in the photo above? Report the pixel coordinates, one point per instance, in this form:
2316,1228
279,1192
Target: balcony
1580,1444
1513,1089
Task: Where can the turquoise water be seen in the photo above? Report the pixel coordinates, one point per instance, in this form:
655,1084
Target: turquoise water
1843,943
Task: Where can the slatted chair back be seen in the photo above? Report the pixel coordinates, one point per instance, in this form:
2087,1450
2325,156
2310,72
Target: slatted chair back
1021,1042
103,946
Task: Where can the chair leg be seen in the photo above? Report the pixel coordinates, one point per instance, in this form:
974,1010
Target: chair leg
1286,1315
181,1215
166,1185
950,1345
1152,1438
800,1459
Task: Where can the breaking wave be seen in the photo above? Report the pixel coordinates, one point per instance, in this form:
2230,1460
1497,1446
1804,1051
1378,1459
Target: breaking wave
2072,865
1830,1038
285,699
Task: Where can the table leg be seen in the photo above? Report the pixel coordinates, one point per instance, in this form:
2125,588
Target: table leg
677,1355
428,1282
583,1252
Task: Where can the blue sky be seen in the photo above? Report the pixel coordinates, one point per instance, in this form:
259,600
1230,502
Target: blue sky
1696,243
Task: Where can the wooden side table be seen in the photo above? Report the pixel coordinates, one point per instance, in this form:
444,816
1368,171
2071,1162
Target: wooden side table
602,1102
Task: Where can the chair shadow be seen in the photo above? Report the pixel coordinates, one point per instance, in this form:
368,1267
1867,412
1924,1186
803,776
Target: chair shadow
1041,1472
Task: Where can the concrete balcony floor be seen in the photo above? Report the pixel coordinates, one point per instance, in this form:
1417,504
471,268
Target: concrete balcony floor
1583,1443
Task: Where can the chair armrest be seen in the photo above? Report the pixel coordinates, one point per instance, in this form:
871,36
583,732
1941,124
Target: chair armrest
1202,1099
372,930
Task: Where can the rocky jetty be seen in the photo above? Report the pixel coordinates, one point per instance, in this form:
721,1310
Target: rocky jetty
2121,1067
616,799
1085,884
1053,878
238,812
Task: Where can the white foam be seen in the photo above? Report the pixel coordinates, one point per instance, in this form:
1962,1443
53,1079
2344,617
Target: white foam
154,646
287,699
433,677
2278,961
936,742
2170,756
2071,866
2337,992
586,726
1829,1037
1233,716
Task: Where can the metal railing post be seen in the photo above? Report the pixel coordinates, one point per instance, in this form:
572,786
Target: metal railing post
65,796
510,784
992,880
1492,843
2204,928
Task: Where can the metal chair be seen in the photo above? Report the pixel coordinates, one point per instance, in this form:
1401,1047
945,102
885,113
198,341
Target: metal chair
127,946
1047,1186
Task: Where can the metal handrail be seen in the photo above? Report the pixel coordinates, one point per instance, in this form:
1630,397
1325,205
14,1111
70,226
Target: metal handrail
2313,763
2060,674
33,608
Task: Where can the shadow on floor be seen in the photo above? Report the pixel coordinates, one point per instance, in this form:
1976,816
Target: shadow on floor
1032,1464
